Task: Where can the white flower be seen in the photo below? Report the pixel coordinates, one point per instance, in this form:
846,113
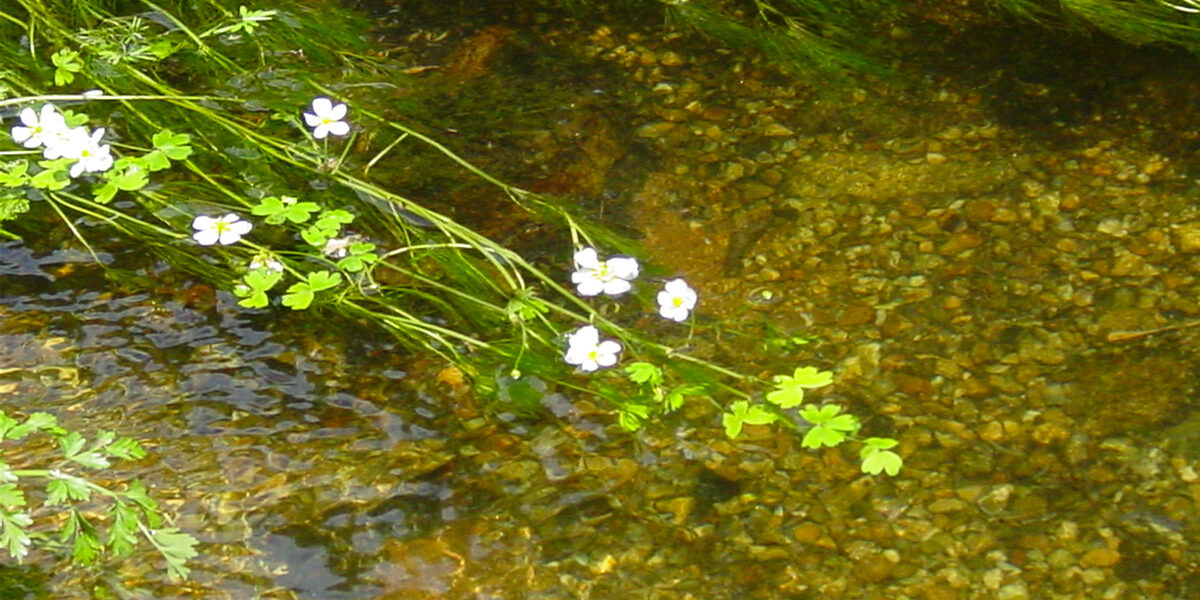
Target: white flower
226,230
265,261
593,276
326,118
38,127
676,300
90,154
64,143
585,349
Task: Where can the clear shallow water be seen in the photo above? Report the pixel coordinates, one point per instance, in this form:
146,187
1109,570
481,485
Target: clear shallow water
960,275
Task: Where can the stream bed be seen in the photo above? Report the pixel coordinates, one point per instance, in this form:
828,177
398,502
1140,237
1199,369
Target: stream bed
998,256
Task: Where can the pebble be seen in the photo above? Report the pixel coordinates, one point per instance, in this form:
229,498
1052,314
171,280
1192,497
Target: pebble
655,130
1013,591
1187,236
1100,557
945,505
777,130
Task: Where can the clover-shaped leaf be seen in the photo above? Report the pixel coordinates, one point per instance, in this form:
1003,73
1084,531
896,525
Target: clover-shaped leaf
743,413
300,295
644,372
876,457
280,209
789,389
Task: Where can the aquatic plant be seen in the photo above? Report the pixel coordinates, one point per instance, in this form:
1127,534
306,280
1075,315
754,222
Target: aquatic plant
322,221
68,485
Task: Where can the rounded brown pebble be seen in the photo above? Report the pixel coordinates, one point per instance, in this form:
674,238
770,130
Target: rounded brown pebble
1100,557
807,533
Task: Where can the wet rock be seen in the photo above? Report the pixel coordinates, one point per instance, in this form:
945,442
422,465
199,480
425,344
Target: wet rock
946,505
1013,591
856,314
807,533
777,130
960,242
1187,236
1100,557
655,130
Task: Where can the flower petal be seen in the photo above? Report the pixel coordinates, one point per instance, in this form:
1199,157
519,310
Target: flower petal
615,287
589,287
587,335
241,227
587,259
338,128
206,237
321,106
312,120
203,222
338,112
624,267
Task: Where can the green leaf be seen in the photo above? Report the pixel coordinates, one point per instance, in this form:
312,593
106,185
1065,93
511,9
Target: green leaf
38,421
11,495
360,256
85,546
73,119
125,448
262,279
743,413
277,210
12,533
316,235
789,390
810,377
846,423
135,177
175,146
880,443
789,397
53,175
12,205
66,64
644,372
820,435
177,548
71,443
104,193
628,420
254,299
817,415
674,399
91,459
323,280
122,533
298,296
15,175
62,489
156,160
336,217
138,495
876,460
